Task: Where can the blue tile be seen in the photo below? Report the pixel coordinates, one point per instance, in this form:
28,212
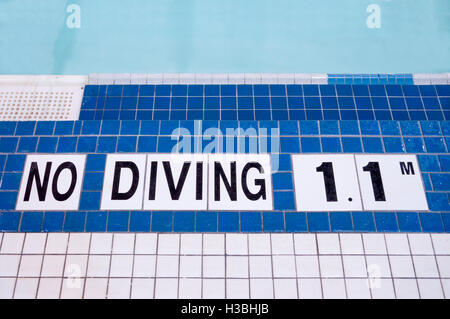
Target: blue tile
91,90
441,182
106,144
25,128
27,145
309,128
329,128
67,144
351,144
147,144
369,128
372,145
75,222
435,145
31,222
410,128
296,222
53,221
10,181
90,200
408,222
95,162
44,128
389,128
47,144
86,144
110,127
318,222
251,222
9,221
363,221
96,221
228,222
118,221
184,222
341,222
393,145
289,128
130,90
167,144
162,221
284,200
114,90
427,182
310,145
8,144
430,128
331,145
290,145
428,163
431,222
140,221
282,181
386,222
15,163
206,222
446,221
93,181
414,145
444,160
273,222
127,144
438,201
91,127
8,200
129,128
7,128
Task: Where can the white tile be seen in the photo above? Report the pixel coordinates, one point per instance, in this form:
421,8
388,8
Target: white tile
53,266
252,78
237,289
259,244
79,243
168,244
285,288
355,266
72,289
282,244
401,266
269,78
236,244
420,244
236,78
167,266
191,244
123,244
333,289
383,289
374,244
7,287
98,266
444,266
95,288
237,267
284,266
142,288
357,288
397,244
307,266
57,243
12,243
260,266
213,266
119,288
75,266
146,244
261,288
49,288
425,267
213,288
430,288
331,266
203,78
406,288
9,265
30,266
351,244
166,288
34,243
445,286
378,267
26,288
190,266
144,266
305,244
213,244
101,243
309,289
1,238
441,243
190,288
328,244
121,266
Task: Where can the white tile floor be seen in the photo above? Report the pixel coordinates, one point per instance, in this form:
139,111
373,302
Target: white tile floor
84,265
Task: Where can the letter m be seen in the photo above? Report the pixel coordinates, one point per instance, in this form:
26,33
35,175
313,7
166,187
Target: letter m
407,168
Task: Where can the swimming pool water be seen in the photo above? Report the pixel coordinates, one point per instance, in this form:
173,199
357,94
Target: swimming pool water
224,36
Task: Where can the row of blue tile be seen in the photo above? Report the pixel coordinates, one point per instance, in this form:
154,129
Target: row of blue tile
283,128
103,221
255,90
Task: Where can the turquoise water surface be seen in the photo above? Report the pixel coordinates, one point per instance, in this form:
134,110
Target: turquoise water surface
155,36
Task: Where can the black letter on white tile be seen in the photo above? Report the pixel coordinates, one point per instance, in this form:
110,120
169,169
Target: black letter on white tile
199,188
231,187
260,182
41,188
62,197
116,182
175,191
153,172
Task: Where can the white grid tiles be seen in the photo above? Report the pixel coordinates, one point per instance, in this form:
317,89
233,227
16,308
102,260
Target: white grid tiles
128,265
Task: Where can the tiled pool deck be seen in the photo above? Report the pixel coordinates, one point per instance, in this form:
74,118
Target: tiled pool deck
283,253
